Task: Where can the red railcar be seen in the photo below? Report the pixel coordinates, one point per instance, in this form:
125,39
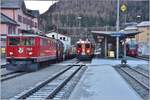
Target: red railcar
84,50
25,52
132,50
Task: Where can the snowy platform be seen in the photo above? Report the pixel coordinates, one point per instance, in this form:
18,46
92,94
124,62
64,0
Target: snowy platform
3,61
102,82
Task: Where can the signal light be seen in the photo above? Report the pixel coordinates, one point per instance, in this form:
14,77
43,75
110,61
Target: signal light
88,51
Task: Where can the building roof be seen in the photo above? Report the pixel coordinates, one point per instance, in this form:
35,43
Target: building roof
130,28
6,20
35,13
15,4
115,33
144,24
18,4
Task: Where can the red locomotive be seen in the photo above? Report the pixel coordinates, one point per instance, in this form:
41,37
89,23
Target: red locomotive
84,50
25,52
132,49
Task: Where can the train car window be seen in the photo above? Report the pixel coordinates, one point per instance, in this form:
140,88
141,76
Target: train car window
79,45
14,41
43,42
87,45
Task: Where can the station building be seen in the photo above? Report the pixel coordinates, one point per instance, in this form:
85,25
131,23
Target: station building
143,39
109,46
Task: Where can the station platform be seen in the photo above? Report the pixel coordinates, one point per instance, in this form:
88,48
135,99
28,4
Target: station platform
3,61
102,82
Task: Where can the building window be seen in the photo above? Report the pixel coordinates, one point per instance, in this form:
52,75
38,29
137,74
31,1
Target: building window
60,38
35,25
32,24
53,36
24,20
19,31
20,18
64,38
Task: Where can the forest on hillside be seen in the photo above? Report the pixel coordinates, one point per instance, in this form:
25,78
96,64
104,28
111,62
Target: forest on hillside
92,13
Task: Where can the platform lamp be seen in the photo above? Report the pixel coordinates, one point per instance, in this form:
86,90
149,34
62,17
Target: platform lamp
138,18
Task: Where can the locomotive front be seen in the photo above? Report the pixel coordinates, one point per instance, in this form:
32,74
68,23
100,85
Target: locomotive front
84,50
20,51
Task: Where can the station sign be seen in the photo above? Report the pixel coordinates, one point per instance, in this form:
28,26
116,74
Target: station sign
119,34
123,7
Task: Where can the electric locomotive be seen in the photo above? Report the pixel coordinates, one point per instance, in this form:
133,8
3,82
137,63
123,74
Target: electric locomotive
25,52
84,50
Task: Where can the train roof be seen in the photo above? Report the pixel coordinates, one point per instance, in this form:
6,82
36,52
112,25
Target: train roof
81,41
32,35
26,35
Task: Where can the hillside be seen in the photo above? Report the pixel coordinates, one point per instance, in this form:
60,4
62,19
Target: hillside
95,15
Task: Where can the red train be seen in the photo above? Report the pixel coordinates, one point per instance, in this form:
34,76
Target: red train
84,50
132,50
25,52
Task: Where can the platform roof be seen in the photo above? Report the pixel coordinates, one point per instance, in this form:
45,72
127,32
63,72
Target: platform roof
122,32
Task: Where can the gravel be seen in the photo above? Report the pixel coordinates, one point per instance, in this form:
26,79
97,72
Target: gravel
144,68
17,85
136,86
68,88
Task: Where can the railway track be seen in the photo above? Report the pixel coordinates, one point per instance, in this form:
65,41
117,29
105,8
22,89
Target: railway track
138,76
143,58
3,66
138,80
11,75
51,86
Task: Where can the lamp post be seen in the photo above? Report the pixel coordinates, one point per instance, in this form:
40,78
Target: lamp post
117,29
79,18
138,18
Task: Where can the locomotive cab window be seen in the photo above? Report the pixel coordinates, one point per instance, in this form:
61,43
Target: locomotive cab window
14,41
21,42
79,45
87,45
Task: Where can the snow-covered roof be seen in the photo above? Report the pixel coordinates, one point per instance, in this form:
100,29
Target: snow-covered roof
144,24
130,28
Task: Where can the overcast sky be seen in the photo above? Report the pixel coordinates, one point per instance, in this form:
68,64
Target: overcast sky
40,5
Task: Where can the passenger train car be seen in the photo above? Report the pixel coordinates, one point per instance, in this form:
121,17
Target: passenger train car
25,52
84,50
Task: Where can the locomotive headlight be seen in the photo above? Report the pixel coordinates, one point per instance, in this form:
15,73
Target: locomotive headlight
30,53
11,53
88,51
78,51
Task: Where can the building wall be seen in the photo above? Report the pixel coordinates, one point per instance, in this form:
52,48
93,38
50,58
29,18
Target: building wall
3,29
26,22
143,40
10,13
